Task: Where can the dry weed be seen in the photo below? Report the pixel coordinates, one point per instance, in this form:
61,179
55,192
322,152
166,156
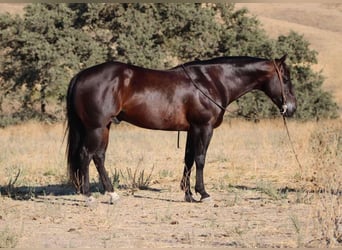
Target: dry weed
8,239
136,179
327,179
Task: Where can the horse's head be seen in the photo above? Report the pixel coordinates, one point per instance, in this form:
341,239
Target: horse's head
279,87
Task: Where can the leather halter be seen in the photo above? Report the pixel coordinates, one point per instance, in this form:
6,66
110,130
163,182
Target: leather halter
284,106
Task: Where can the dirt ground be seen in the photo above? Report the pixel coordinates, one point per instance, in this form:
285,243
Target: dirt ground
237,217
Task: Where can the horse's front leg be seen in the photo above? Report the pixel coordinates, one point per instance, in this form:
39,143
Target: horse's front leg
202,142
189,161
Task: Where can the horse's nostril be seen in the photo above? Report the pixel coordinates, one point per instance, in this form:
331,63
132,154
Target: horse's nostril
283,109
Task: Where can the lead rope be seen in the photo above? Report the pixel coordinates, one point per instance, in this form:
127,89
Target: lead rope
291,143
283,114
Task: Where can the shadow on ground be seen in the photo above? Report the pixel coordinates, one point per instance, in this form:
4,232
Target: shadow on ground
28,192
57,190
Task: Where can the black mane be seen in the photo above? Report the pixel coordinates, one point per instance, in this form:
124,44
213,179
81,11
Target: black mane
225,59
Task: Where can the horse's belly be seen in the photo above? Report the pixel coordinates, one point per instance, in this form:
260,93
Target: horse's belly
154,118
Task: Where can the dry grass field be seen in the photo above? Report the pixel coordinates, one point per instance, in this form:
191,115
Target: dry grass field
261,196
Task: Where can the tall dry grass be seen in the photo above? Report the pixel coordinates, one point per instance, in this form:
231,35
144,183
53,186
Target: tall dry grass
34,149
241,153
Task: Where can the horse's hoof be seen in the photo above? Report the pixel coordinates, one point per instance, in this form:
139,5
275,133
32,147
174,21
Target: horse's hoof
189,198
206,199
113,197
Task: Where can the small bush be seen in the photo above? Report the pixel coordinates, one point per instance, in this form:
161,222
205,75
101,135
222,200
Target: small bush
139,179
327,147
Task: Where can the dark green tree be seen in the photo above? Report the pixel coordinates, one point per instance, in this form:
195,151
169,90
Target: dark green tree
41,55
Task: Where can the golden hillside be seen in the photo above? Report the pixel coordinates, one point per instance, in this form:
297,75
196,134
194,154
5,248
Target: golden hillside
321,25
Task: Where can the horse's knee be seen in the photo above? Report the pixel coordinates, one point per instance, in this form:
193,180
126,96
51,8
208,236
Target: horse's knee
200,160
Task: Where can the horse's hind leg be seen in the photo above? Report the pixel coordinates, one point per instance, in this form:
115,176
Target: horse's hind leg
189,161
91,149
83,174
91,141
99,159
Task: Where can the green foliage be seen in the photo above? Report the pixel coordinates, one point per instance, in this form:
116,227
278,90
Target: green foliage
39,56
42,56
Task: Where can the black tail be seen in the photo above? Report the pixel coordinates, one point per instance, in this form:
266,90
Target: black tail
75,131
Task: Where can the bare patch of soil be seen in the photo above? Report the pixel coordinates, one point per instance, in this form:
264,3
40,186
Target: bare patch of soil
236,217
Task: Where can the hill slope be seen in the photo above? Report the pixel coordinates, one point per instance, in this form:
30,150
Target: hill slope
321,25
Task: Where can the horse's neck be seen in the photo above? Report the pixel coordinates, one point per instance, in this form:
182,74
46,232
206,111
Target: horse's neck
241,81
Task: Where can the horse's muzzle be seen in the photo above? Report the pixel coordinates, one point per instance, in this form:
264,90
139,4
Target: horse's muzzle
288,109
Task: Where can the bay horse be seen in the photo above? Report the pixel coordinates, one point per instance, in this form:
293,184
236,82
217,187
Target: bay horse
191,97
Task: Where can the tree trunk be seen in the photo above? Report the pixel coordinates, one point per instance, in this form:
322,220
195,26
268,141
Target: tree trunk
43,98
